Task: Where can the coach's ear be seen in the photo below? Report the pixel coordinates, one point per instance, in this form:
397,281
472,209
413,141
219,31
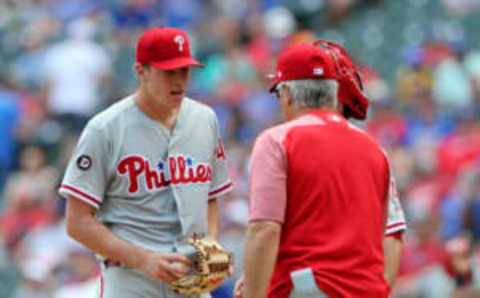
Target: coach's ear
288,95
138,69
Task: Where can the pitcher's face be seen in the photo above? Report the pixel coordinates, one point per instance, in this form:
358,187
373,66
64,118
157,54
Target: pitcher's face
164,84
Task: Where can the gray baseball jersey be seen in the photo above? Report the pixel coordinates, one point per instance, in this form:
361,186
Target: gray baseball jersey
395,217
149,185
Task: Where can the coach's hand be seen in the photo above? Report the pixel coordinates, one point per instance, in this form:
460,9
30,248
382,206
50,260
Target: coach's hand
239,287
166,267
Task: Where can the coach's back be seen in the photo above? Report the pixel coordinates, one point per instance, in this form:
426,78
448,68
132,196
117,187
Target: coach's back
335,207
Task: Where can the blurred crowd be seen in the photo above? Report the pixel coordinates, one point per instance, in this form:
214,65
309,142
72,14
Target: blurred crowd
61,61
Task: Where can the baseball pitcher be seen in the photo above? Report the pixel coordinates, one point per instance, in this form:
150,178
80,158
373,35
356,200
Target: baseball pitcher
146,174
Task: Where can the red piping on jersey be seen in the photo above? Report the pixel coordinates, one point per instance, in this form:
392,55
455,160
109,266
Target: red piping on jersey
212,193
77,191
396,225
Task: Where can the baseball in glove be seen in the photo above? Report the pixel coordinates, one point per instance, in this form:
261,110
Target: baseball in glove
210,265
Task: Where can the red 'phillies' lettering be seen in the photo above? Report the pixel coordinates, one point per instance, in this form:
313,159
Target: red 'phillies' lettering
204,173
154,179
134,165
191,172
173,170
201,173
179,170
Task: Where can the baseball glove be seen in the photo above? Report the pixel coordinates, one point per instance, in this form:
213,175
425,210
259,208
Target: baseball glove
210,265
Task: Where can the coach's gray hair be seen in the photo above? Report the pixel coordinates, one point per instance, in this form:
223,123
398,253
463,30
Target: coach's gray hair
312,93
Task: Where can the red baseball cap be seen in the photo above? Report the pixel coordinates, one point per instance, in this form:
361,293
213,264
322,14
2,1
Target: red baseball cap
303,61
165,48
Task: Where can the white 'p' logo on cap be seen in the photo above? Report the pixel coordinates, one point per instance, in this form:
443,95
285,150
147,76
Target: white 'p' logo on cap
180,41
318,71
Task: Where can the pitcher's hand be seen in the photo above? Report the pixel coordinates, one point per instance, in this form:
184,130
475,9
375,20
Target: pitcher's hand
166,267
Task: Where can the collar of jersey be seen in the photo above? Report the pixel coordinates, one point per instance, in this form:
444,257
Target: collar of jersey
323,113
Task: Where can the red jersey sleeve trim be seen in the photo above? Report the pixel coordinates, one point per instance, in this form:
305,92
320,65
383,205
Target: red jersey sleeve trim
397,235
396,227
220,191
80,194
